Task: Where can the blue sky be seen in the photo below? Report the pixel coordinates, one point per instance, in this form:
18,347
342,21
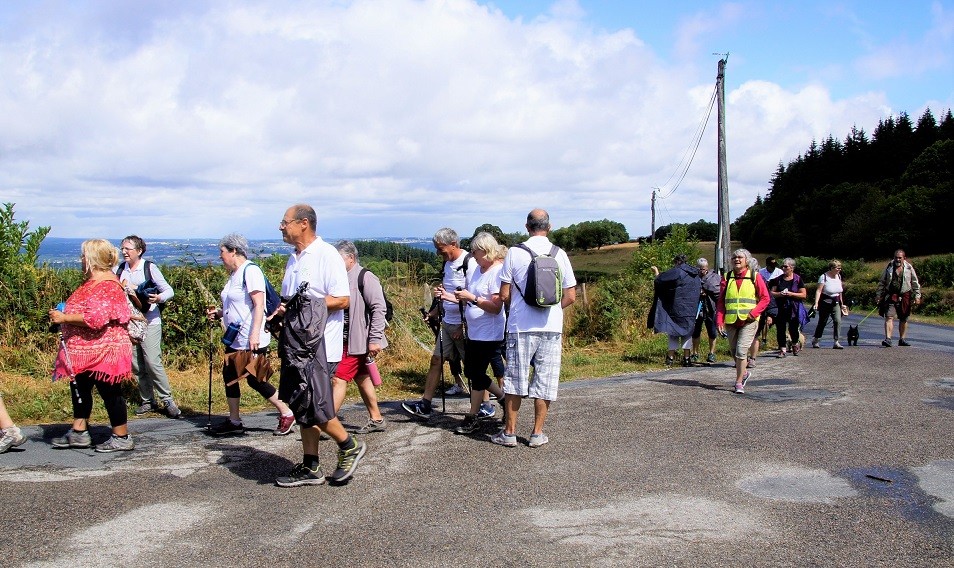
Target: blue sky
398,117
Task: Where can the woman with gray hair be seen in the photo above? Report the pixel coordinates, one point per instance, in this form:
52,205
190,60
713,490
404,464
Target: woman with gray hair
789,292
742,299
246,339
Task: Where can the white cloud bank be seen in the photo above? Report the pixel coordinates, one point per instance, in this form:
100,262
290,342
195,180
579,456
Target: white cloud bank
392,117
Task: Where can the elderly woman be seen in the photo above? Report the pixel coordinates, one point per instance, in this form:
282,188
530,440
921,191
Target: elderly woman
95,349
742,299
246,354
828,303
148,289
486,323
789,292
675,305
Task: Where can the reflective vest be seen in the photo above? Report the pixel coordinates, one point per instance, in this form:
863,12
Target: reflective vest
739,300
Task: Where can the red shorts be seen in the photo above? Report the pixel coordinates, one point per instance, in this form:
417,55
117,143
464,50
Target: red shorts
352,366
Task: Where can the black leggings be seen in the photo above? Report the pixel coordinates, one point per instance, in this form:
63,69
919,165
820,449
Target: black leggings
786,321
81,391
229,374
480,354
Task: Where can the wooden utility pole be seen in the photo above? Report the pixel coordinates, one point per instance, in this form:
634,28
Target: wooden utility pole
652,232
723,240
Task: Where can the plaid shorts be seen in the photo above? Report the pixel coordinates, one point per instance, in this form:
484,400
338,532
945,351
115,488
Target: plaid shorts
541,351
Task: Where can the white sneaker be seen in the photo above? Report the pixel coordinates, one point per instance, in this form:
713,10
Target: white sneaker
456,390
12,437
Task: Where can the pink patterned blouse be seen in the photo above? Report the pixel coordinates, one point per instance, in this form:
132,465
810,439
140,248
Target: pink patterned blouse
103,348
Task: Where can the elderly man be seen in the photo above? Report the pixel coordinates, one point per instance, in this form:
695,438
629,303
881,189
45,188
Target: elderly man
708,297
743,297
897,289
535,334
317,264
363,336
458,267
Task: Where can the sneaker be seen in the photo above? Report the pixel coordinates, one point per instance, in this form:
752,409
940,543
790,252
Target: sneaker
73,439
228,427
886,343
903,343
116,444
669,361
503,439
417,408
781,354
348,460
537,440
487,410
739,388
12,437
694,358
172,410
837,345
796,347
469,425
745,378
372,426
286,425
710,358
750,362
815,341
145,408
301,475
686,362
456,390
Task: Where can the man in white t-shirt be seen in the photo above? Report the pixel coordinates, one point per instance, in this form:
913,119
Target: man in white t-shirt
534,335
318,263
459,267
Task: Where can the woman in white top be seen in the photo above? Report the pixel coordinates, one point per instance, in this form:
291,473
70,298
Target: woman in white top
486,322
828,302
246,355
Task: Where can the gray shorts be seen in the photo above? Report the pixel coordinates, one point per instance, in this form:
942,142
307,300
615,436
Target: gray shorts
454,349
540,350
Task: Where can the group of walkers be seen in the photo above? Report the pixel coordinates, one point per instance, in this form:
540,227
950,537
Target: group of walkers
746,301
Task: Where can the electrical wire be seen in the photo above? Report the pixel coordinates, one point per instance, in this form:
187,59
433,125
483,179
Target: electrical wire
693,148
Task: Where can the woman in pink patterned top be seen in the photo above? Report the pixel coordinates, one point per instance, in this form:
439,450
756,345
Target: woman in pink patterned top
95,350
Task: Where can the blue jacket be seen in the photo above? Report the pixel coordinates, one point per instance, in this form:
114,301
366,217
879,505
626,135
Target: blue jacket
675,301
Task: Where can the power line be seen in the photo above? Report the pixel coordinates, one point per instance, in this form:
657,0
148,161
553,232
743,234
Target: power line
692,149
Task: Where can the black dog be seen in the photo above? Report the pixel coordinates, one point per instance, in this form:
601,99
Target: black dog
853,335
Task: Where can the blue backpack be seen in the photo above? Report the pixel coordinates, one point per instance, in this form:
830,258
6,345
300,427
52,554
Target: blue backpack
272,298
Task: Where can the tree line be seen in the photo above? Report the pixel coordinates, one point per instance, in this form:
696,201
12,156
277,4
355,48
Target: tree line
862,196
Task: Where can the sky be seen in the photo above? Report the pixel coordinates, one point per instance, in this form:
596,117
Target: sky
190,118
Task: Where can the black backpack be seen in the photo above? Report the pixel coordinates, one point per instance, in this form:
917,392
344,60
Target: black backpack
272,297
147,287
388,308
544,279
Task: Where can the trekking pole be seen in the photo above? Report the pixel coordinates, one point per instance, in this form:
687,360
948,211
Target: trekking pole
211,349
463,328
440,349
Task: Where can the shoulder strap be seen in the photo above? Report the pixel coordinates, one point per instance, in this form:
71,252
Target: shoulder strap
120,268
361,281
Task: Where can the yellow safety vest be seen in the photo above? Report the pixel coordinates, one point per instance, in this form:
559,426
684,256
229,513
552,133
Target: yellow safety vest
739,300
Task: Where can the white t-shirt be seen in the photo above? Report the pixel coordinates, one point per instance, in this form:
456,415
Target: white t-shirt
766,275
237,303
522,316
323,269
133,278
830,286
453,278
481,325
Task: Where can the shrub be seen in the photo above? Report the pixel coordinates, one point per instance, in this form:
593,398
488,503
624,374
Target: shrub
936,271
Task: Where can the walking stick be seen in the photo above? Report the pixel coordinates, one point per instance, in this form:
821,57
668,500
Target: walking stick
211,350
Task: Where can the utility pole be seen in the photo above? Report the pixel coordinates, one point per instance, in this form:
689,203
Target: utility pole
652,232
723,240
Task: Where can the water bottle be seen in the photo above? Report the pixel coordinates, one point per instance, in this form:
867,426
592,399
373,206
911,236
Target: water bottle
373,371
55,327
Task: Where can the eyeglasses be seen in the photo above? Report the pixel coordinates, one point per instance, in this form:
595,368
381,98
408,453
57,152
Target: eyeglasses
787,266
285,222
127,249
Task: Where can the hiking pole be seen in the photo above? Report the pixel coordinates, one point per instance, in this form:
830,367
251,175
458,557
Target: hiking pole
211,349
463,328
440,348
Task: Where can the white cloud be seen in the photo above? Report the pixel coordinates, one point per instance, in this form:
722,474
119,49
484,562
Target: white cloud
392,117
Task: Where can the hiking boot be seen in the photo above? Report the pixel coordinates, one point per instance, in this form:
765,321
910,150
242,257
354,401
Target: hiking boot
815,342
347,461
837,345
456,390
172,410
228,427
537,440
418,408
301,475
903,343
116,444
686,362
468,426
503,439
372,426
286,425
12,437
886,343
487,410
146,407
710,358
73,439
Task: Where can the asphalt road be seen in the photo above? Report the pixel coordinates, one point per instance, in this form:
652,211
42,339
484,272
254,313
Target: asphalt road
832,458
